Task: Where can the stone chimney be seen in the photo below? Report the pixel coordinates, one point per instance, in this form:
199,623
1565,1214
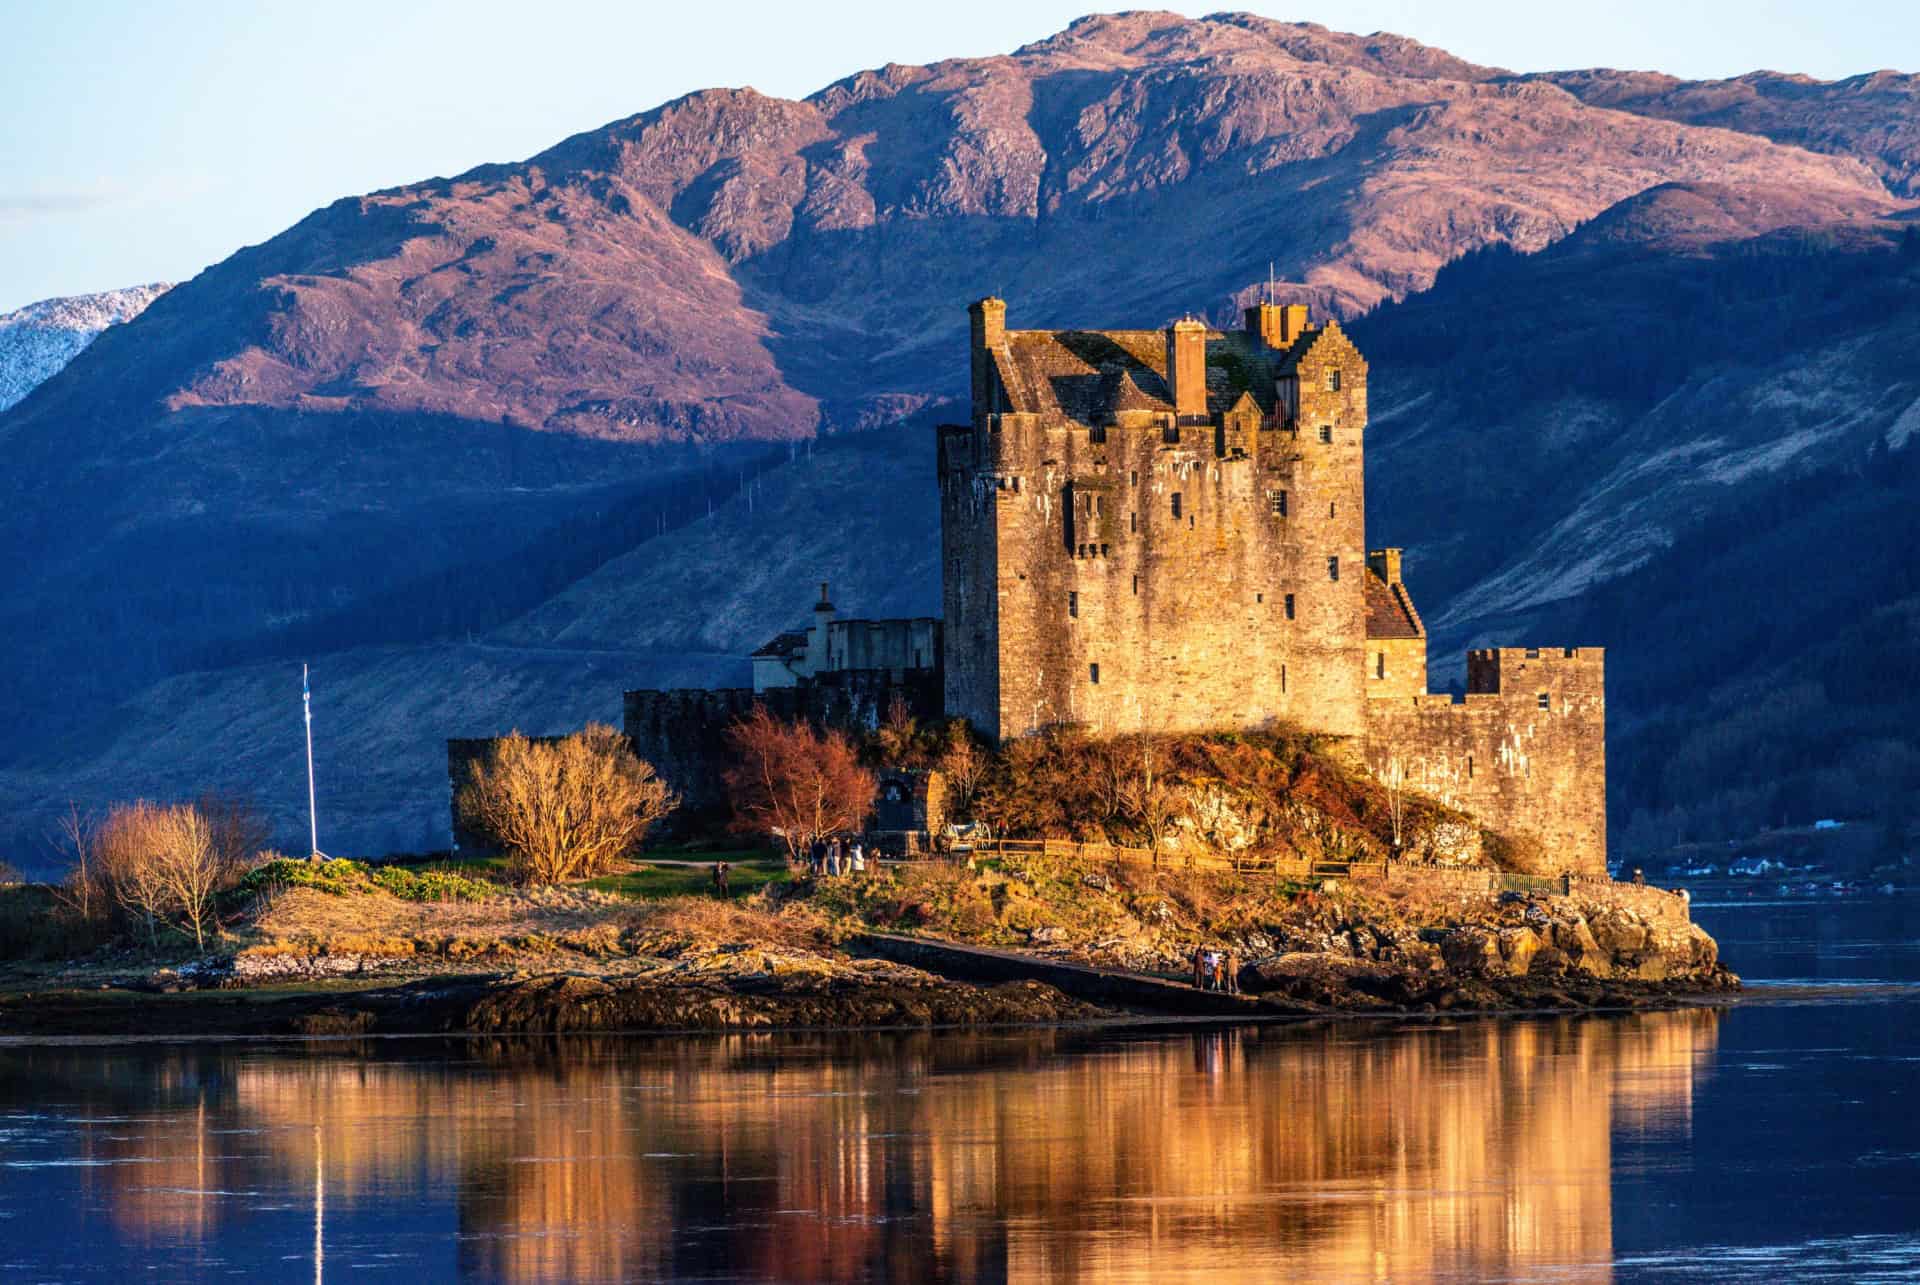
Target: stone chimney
818,660
989,318
1187,367
1385,564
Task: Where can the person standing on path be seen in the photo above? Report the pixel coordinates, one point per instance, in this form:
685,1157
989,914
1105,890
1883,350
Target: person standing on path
859,858
720,880
833,857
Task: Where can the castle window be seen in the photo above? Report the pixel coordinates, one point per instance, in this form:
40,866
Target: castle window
1379,664
1097,434
1133,477
1289,607
1283,678
1567,652
1277,503
1136,586
1546,701
1171,433
1073,603
1331,510
1093,673
1176,504
1133,521
1103,550
1333,380
1259,597
1469,767
1326,432
1333,568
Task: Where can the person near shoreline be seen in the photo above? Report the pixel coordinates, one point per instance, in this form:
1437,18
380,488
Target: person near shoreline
720,880
859,859
1199,969
1233,974
816,857
833,857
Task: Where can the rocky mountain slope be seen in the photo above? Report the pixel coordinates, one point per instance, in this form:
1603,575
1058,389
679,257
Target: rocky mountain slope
37,340
451,435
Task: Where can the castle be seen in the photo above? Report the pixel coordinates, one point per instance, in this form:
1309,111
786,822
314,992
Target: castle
1165,531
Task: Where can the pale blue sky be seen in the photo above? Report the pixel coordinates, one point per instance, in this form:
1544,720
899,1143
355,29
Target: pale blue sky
145,139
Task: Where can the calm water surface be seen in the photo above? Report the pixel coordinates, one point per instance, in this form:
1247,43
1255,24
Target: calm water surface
1778,1140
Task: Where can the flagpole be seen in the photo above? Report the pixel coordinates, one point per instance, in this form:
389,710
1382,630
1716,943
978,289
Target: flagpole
313,821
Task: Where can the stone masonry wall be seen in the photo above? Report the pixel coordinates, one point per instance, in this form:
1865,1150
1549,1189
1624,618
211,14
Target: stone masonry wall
1524,753
1139,576
684,733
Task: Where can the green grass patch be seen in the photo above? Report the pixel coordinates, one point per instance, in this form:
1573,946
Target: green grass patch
654,883
344,878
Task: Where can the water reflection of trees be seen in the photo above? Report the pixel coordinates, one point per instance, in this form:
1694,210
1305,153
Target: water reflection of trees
1341,1151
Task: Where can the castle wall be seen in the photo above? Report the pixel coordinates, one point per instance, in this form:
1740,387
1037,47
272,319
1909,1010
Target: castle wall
1524,754
684,733
1396,667
1138,576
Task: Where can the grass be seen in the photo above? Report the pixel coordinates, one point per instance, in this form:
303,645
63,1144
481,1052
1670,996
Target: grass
655,883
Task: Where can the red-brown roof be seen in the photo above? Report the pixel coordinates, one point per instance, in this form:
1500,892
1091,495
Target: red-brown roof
1390,612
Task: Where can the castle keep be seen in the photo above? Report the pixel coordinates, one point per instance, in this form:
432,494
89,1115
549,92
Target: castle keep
1165,531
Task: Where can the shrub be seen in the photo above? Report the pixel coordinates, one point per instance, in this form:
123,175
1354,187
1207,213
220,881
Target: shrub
341,877
566,809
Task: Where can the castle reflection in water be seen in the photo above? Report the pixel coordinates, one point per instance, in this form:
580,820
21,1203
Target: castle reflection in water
1345,1151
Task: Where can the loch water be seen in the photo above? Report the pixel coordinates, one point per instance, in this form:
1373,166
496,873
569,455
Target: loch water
1776,1139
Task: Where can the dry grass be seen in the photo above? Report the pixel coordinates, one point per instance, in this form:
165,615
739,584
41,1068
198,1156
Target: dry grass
541,924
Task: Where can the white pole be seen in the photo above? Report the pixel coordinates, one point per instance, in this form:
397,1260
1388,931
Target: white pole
313,822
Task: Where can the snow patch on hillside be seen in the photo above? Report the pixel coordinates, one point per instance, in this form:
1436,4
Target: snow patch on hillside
37,340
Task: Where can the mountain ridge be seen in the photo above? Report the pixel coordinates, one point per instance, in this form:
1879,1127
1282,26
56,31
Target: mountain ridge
619,365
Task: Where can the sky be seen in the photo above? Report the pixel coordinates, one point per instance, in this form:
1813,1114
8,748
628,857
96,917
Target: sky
142,140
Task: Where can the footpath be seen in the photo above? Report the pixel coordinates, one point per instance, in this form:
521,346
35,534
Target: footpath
1082,981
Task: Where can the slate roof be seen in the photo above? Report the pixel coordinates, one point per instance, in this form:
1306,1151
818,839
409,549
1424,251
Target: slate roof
1088,376
782,646
1390,612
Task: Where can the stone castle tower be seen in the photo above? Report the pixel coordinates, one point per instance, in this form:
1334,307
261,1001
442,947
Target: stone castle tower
1165,531
1158,530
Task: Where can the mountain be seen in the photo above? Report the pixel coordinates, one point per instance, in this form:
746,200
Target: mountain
1686,432
1875,117
619,404
37,340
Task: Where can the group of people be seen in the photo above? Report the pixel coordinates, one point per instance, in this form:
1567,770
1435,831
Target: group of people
1215,970
835,857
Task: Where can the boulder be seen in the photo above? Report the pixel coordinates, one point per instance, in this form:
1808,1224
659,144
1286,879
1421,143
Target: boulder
1518,946
1472,951
1618,933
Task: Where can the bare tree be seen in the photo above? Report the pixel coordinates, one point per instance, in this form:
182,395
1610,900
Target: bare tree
898,736
1391,772
188,866
566,809
1146,796
963,765
83,892
794,783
